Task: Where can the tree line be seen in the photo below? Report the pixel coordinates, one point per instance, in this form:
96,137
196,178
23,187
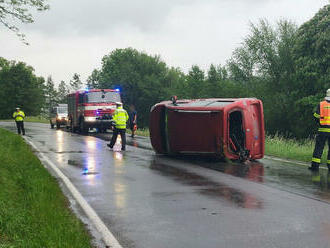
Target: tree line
284,65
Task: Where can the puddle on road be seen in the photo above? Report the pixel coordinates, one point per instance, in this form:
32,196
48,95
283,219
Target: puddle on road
207,187
60,152
87,169
281,175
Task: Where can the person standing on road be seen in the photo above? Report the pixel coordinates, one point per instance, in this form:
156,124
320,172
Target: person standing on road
322,115
120,117
19,116
132,120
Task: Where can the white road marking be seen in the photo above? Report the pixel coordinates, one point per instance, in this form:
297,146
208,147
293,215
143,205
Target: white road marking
107,236
291,161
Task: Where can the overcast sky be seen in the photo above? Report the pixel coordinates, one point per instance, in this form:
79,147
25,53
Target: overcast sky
73,36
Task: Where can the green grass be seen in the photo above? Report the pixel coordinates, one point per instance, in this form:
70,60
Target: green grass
291,148
33,210
36,119
39,119
141,132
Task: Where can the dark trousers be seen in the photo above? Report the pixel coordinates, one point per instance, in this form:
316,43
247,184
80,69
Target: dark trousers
122,133
321,138
20,127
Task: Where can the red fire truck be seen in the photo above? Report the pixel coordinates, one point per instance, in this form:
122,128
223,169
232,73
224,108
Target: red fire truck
89,109
226,128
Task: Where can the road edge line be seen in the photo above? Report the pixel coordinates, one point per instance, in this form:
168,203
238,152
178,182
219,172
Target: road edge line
291,161
107,236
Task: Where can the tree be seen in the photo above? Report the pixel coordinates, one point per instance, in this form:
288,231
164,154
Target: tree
51,94
25,89
143,79
11,10
93,80
311,54
75,82
196,84
264,65
63,91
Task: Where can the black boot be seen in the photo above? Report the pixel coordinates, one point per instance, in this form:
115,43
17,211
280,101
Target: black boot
314,166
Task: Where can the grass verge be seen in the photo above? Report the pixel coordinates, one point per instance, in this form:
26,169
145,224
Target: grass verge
33,210
141,132
39,119
291,148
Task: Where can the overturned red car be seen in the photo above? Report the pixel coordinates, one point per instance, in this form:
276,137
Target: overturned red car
230,128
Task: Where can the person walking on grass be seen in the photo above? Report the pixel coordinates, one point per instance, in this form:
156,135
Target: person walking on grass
19,116
120,117
322,115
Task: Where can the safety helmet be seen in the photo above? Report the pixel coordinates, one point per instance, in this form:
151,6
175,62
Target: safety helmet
119,103
18,108
327,97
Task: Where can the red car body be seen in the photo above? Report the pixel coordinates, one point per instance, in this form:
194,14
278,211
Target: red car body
226,128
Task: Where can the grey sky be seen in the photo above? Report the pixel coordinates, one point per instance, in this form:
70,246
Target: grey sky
74,35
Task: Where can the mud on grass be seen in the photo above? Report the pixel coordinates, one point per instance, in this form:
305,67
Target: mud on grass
33,210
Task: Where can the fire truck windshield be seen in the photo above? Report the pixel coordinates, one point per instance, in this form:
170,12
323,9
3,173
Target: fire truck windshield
102,96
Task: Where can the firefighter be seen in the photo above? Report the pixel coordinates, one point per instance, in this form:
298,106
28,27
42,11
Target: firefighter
322,115
120,118
19,116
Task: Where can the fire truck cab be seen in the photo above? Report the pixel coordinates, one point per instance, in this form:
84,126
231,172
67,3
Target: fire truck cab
89,109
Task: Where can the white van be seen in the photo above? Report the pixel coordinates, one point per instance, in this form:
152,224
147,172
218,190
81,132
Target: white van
58,116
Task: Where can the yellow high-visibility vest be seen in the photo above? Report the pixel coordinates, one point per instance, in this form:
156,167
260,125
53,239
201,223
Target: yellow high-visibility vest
18,116
120,117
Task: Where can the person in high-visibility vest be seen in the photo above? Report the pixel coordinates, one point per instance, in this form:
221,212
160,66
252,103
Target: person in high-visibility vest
19,116
120,117
322,115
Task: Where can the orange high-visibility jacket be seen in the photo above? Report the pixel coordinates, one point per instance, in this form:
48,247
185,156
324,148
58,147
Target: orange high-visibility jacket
324,113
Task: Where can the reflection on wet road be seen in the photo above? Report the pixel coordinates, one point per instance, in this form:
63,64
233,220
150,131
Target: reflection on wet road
156,201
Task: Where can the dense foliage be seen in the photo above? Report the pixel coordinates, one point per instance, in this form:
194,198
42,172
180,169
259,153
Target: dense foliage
20,87
285,66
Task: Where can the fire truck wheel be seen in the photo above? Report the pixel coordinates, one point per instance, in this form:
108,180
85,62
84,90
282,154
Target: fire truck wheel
82,126
72,127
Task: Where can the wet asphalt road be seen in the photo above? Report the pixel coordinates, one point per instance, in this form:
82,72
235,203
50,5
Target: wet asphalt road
156,201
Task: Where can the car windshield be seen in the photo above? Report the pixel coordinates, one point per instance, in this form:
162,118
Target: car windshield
100,96
62,110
